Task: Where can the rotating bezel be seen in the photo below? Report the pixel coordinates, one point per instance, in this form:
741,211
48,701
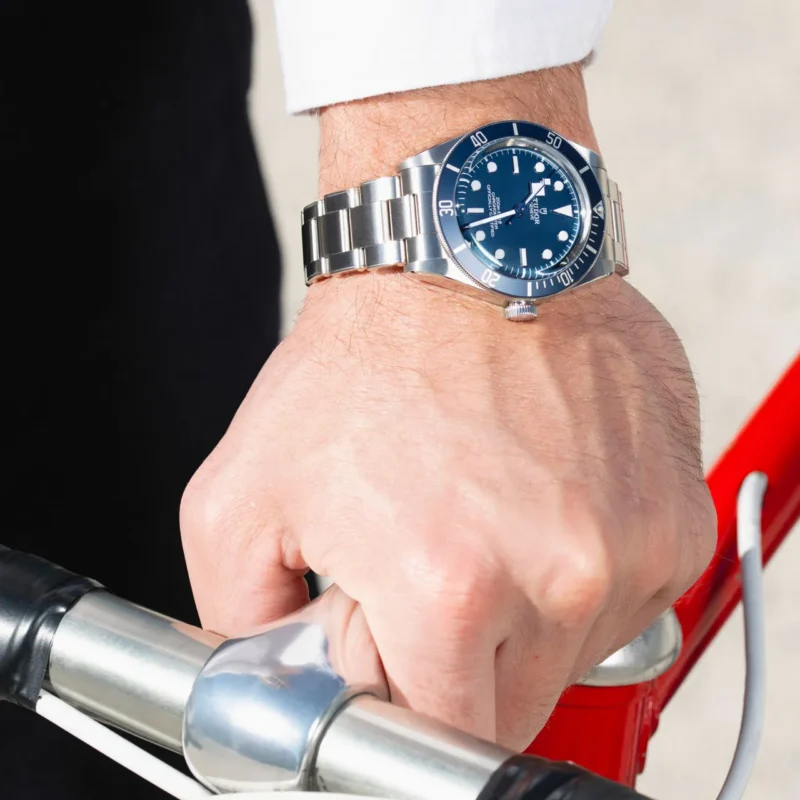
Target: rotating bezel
579,261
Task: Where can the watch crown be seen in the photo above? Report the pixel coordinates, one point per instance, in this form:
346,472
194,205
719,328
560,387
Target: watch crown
520,310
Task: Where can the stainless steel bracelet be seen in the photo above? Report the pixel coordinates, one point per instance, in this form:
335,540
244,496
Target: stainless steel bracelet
615,244
389,222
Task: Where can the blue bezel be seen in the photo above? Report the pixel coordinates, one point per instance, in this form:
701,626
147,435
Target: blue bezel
450,232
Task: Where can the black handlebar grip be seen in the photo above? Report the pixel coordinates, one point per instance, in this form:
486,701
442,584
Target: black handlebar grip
34,596
532,778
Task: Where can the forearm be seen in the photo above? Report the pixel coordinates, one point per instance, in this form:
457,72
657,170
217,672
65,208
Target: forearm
369,138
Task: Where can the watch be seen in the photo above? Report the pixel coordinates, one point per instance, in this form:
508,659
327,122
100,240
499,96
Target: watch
512,212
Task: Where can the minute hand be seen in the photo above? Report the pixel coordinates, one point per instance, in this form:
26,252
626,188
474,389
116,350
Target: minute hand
490,219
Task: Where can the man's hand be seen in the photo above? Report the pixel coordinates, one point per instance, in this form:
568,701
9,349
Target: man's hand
499,504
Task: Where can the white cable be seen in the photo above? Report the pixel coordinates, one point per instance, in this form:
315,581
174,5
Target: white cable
748,538
119,749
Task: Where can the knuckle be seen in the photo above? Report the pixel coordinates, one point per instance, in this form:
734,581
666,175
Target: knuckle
196,511
226,527
209,508
458,587
577,588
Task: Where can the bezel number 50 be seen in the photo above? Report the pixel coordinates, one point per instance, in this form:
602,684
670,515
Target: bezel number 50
554,140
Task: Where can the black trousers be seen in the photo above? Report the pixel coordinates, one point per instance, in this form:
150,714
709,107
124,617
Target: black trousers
140,296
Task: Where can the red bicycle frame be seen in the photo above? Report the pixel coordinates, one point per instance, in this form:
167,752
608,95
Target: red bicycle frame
607,730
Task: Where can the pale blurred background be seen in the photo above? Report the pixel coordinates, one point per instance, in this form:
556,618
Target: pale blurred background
696,106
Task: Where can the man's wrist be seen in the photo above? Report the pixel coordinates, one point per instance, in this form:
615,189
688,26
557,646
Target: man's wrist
369,138
414,313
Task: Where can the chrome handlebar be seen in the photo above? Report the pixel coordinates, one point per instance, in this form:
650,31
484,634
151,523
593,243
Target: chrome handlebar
260,713
278,710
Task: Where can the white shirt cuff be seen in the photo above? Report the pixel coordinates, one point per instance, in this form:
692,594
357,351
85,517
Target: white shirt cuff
333,51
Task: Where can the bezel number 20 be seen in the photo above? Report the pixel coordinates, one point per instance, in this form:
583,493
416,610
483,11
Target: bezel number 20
490,278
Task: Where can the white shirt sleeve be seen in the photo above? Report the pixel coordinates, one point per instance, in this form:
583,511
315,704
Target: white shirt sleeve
338,50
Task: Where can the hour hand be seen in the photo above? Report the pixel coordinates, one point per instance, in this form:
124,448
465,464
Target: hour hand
490,219
536,190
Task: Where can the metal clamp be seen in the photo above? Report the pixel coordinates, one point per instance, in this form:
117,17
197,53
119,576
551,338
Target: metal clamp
259,707
644,658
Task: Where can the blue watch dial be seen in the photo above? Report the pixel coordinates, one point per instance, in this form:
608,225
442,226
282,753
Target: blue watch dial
519,210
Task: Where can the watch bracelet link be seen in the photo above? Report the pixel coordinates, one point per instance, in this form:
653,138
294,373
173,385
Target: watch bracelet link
388,222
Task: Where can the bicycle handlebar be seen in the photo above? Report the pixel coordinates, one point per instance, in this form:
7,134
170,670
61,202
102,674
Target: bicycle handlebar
270,711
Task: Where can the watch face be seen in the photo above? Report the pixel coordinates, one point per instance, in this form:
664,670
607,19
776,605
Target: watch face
520,209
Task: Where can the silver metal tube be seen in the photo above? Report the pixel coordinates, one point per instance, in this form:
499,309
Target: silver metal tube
134,669
375,748
127,666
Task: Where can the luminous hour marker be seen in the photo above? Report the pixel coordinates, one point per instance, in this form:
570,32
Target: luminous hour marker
491,167
523,256
476,210
499,253
516,164
455,169
480,236
563,236
547,181
547,254
539,166
475,185
565,210
558,186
